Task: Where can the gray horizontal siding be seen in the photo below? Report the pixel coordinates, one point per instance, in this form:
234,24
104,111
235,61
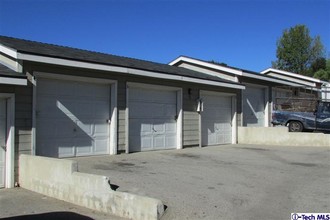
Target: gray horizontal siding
121,100
190,117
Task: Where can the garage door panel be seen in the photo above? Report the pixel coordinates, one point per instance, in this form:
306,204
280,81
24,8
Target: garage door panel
214,112
216,120
151,119
215,100
72,115
171,140
159,142
51,87
46,107
100,129
146,143
164,112
83,109
52,127
64,108
157,96
254,107
140,143
170,127
138,111
100,109
139,95
84,146
94,91
48,147
65,148
84,129
158,110
146,127
100,145
159,127
138,126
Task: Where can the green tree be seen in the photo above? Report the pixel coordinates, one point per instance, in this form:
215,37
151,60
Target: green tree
323,73
297,50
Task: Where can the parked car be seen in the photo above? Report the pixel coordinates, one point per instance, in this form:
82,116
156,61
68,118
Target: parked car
297,121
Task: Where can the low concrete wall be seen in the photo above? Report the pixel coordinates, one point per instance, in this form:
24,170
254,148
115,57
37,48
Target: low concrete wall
281,136
59,178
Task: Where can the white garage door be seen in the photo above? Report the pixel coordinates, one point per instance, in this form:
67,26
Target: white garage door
72,118
216,119
3,129
254,107
152,119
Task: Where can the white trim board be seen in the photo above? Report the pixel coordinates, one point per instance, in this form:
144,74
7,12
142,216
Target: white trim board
261,77
203,64
9,51
13,81
206,64
10,143
295,75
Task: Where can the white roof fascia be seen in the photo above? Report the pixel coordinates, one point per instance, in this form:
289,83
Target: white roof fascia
87,65
291,74
13,54
9,51
261,77
206,64
13,81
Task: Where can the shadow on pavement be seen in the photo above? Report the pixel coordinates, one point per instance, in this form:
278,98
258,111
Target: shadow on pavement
50,216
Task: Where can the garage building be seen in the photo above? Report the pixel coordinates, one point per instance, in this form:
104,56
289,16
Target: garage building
74,102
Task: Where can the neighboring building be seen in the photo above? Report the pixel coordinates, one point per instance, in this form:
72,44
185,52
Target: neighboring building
325,91
255,102
70,102
294,77
310,83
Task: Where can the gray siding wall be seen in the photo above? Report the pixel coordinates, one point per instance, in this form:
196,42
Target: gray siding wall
190,117
23,119
121,101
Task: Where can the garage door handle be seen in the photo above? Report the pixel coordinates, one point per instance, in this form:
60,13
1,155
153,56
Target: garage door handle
154,130
4,148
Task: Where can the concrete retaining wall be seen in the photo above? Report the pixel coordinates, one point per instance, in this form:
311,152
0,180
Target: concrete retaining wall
59,178
281,136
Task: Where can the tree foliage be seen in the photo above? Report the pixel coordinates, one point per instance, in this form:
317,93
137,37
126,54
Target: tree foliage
297,50
323,73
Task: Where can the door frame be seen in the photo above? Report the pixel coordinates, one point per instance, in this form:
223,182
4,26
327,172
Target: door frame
266,102
179,125
113,104
233,114
10,142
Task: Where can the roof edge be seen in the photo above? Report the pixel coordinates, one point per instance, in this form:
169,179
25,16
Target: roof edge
126,70
206,64
295,75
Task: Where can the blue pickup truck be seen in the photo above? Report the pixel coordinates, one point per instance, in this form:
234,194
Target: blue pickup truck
318,120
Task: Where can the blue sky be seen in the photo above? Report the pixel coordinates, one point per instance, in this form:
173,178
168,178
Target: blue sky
241,33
